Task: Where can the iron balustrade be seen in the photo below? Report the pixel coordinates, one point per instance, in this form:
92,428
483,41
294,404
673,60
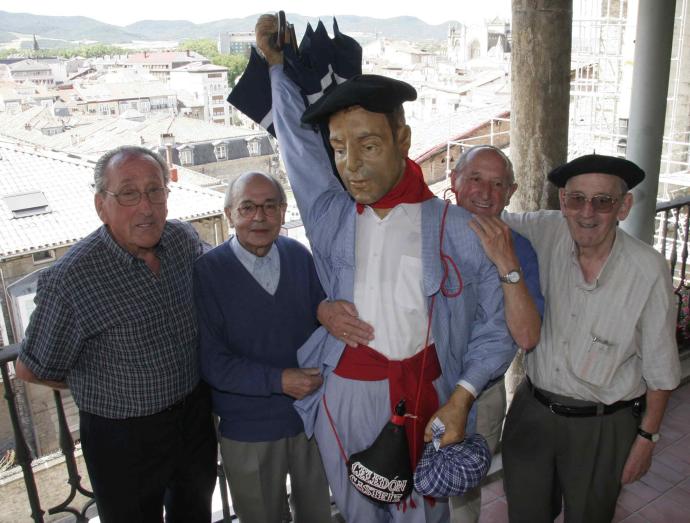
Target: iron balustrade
673,224
24,458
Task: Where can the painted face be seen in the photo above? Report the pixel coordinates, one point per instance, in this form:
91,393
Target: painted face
591,229
257,213
483,187
369,161
135,228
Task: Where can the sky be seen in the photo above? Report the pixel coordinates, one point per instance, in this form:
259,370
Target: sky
123,12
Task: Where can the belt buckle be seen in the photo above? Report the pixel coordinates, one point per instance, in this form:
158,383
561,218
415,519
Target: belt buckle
551,405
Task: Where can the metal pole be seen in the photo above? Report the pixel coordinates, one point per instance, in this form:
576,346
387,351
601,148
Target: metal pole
653,42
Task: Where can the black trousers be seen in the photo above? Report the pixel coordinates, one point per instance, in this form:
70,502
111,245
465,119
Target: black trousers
138,465
547,457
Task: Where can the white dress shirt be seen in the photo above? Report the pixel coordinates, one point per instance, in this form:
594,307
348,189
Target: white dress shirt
264,269
388,293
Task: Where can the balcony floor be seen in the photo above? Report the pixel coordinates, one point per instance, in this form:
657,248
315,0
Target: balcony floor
661,496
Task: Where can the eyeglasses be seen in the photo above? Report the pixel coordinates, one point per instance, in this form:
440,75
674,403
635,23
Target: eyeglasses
130,197
248,209
601,203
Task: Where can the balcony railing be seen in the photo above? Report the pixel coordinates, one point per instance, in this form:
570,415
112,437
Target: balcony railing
23,455
673,225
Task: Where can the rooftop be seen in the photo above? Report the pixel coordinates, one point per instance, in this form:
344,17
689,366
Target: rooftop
65,181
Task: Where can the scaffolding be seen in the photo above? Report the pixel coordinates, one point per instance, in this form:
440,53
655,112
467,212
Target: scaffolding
601,82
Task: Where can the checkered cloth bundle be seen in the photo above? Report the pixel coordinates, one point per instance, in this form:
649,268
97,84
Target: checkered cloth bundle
454,469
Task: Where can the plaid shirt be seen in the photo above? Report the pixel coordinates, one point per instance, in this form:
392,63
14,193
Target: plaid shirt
124,339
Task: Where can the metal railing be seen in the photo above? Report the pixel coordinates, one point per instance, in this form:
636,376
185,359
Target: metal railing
672,226
23,455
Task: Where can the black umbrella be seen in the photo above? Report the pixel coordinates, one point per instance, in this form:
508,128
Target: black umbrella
317,66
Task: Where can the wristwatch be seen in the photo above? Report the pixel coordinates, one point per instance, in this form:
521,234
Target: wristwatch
648,435
513,276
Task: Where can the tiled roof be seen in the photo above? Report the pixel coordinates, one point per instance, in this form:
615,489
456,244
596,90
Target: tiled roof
66,180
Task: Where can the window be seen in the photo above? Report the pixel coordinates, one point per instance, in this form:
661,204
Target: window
43,256
221,151
187,156
254,147
27,204
215,75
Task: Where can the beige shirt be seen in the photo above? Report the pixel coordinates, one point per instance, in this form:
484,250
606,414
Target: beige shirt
603,341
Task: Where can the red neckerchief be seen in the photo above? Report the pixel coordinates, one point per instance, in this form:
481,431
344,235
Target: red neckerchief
410,189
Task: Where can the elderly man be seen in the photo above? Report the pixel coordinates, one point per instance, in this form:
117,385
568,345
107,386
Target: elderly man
483,182
256,297
114,321
380,245
578,424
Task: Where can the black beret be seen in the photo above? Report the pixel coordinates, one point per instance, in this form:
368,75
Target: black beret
630,173
378,94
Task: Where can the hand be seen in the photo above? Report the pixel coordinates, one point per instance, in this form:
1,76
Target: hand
341,319
497,242
265,30
299,383
454,416
639,460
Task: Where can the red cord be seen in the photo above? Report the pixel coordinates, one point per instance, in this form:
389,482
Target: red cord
340,445
445,259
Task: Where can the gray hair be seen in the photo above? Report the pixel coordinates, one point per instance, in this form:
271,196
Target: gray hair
126,150
465,156
230,189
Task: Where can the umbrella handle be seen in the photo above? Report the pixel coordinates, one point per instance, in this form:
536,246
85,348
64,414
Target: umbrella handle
285,34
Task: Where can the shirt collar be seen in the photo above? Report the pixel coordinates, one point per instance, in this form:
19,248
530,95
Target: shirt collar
409,210
124,255
605,270
247,258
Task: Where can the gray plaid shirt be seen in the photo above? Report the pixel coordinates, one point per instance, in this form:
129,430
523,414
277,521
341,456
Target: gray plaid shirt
124,339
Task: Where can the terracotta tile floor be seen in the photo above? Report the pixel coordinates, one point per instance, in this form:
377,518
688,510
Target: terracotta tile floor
661,496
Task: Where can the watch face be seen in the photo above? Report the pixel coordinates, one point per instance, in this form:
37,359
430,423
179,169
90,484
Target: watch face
513,276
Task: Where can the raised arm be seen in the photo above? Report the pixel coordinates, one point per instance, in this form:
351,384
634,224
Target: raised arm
301,148
522,316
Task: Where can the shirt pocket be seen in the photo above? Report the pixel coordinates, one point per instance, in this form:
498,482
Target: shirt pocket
408,292
595,360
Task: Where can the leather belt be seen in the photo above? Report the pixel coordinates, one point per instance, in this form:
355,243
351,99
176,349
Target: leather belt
587,411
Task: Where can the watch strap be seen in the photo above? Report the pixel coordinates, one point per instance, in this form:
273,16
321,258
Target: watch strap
653,437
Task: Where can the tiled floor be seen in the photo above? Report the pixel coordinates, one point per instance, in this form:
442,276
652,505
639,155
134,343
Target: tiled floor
661,496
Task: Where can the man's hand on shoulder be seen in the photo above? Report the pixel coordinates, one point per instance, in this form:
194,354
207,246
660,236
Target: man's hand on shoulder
497,242
299,383
454,416
265,31
342,320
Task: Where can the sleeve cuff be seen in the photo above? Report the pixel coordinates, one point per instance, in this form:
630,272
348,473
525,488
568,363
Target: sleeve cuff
467,385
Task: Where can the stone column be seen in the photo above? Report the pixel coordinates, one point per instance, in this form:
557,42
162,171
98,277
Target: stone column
540,86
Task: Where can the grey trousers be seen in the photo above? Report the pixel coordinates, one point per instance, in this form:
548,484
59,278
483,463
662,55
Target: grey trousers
257,472
491,410
546,456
